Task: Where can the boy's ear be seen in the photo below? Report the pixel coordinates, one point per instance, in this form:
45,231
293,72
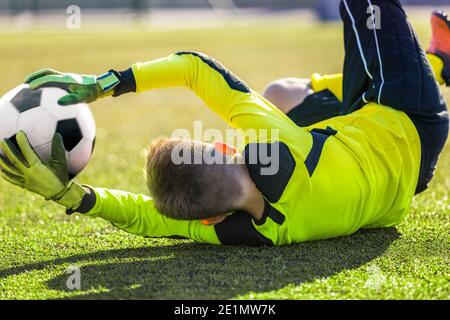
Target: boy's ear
224,148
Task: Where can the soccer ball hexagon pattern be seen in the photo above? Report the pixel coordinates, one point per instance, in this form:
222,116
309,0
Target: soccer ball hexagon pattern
38,114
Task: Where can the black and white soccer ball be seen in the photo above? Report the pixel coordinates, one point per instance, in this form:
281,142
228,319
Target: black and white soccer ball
38,114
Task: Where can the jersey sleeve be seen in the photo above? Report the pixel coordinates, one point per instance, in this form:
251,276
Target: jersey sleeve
136,213
333,82
221,90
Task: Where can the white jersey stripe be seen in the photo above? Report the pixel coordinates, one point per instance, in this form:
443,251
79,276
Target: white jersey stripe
364,98
378,52
357,39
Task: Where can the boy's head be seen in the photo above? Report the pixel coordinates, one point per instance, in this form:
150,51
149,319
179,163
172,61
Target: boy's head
193,180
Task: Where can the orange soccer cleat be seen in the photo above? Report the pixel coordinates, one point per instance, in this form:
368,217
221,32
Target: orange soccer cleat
440,41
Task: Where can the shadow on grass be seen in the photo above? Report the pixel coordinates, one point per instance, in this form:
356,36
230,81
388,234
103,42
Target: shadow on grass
194,271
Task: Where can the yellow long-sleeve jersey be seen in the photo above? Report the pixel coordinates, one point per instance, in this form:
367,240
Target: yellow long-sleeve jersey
337,176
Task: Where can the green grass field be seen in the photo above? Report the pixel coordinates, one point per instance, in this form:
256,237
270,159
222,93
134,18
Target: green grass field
38,242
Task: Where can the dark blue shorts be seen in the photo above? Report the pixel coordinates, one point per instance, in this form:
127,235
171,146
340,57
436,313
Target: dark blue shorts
385,64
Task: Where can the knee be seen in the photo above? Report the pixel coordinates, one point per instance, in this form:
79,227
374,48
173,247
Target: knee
287,93
275,91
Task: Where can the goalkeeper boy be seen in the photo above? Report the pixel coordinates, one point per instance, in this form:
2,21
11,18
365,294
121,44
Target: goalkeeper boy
352,149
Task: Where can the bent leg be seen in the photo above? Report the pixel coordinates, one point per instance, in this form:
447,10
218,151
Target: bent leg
386,65
287,93
307,101
303,105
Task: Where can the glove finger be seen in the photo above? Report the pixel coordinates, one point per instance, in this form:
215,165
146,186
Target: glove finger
8,167
14,156
27,150
57,162
39,74
16,180
58,81
69,99
58,150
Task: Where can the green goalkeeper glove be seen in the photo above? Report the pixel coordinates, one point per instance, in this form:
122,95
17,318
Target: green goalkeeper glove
82,88
25,169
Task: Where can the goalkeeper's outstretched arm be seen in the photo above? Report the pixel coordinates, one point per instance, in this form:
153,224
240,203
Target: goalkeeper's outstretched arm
213,83
136,213
221,90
